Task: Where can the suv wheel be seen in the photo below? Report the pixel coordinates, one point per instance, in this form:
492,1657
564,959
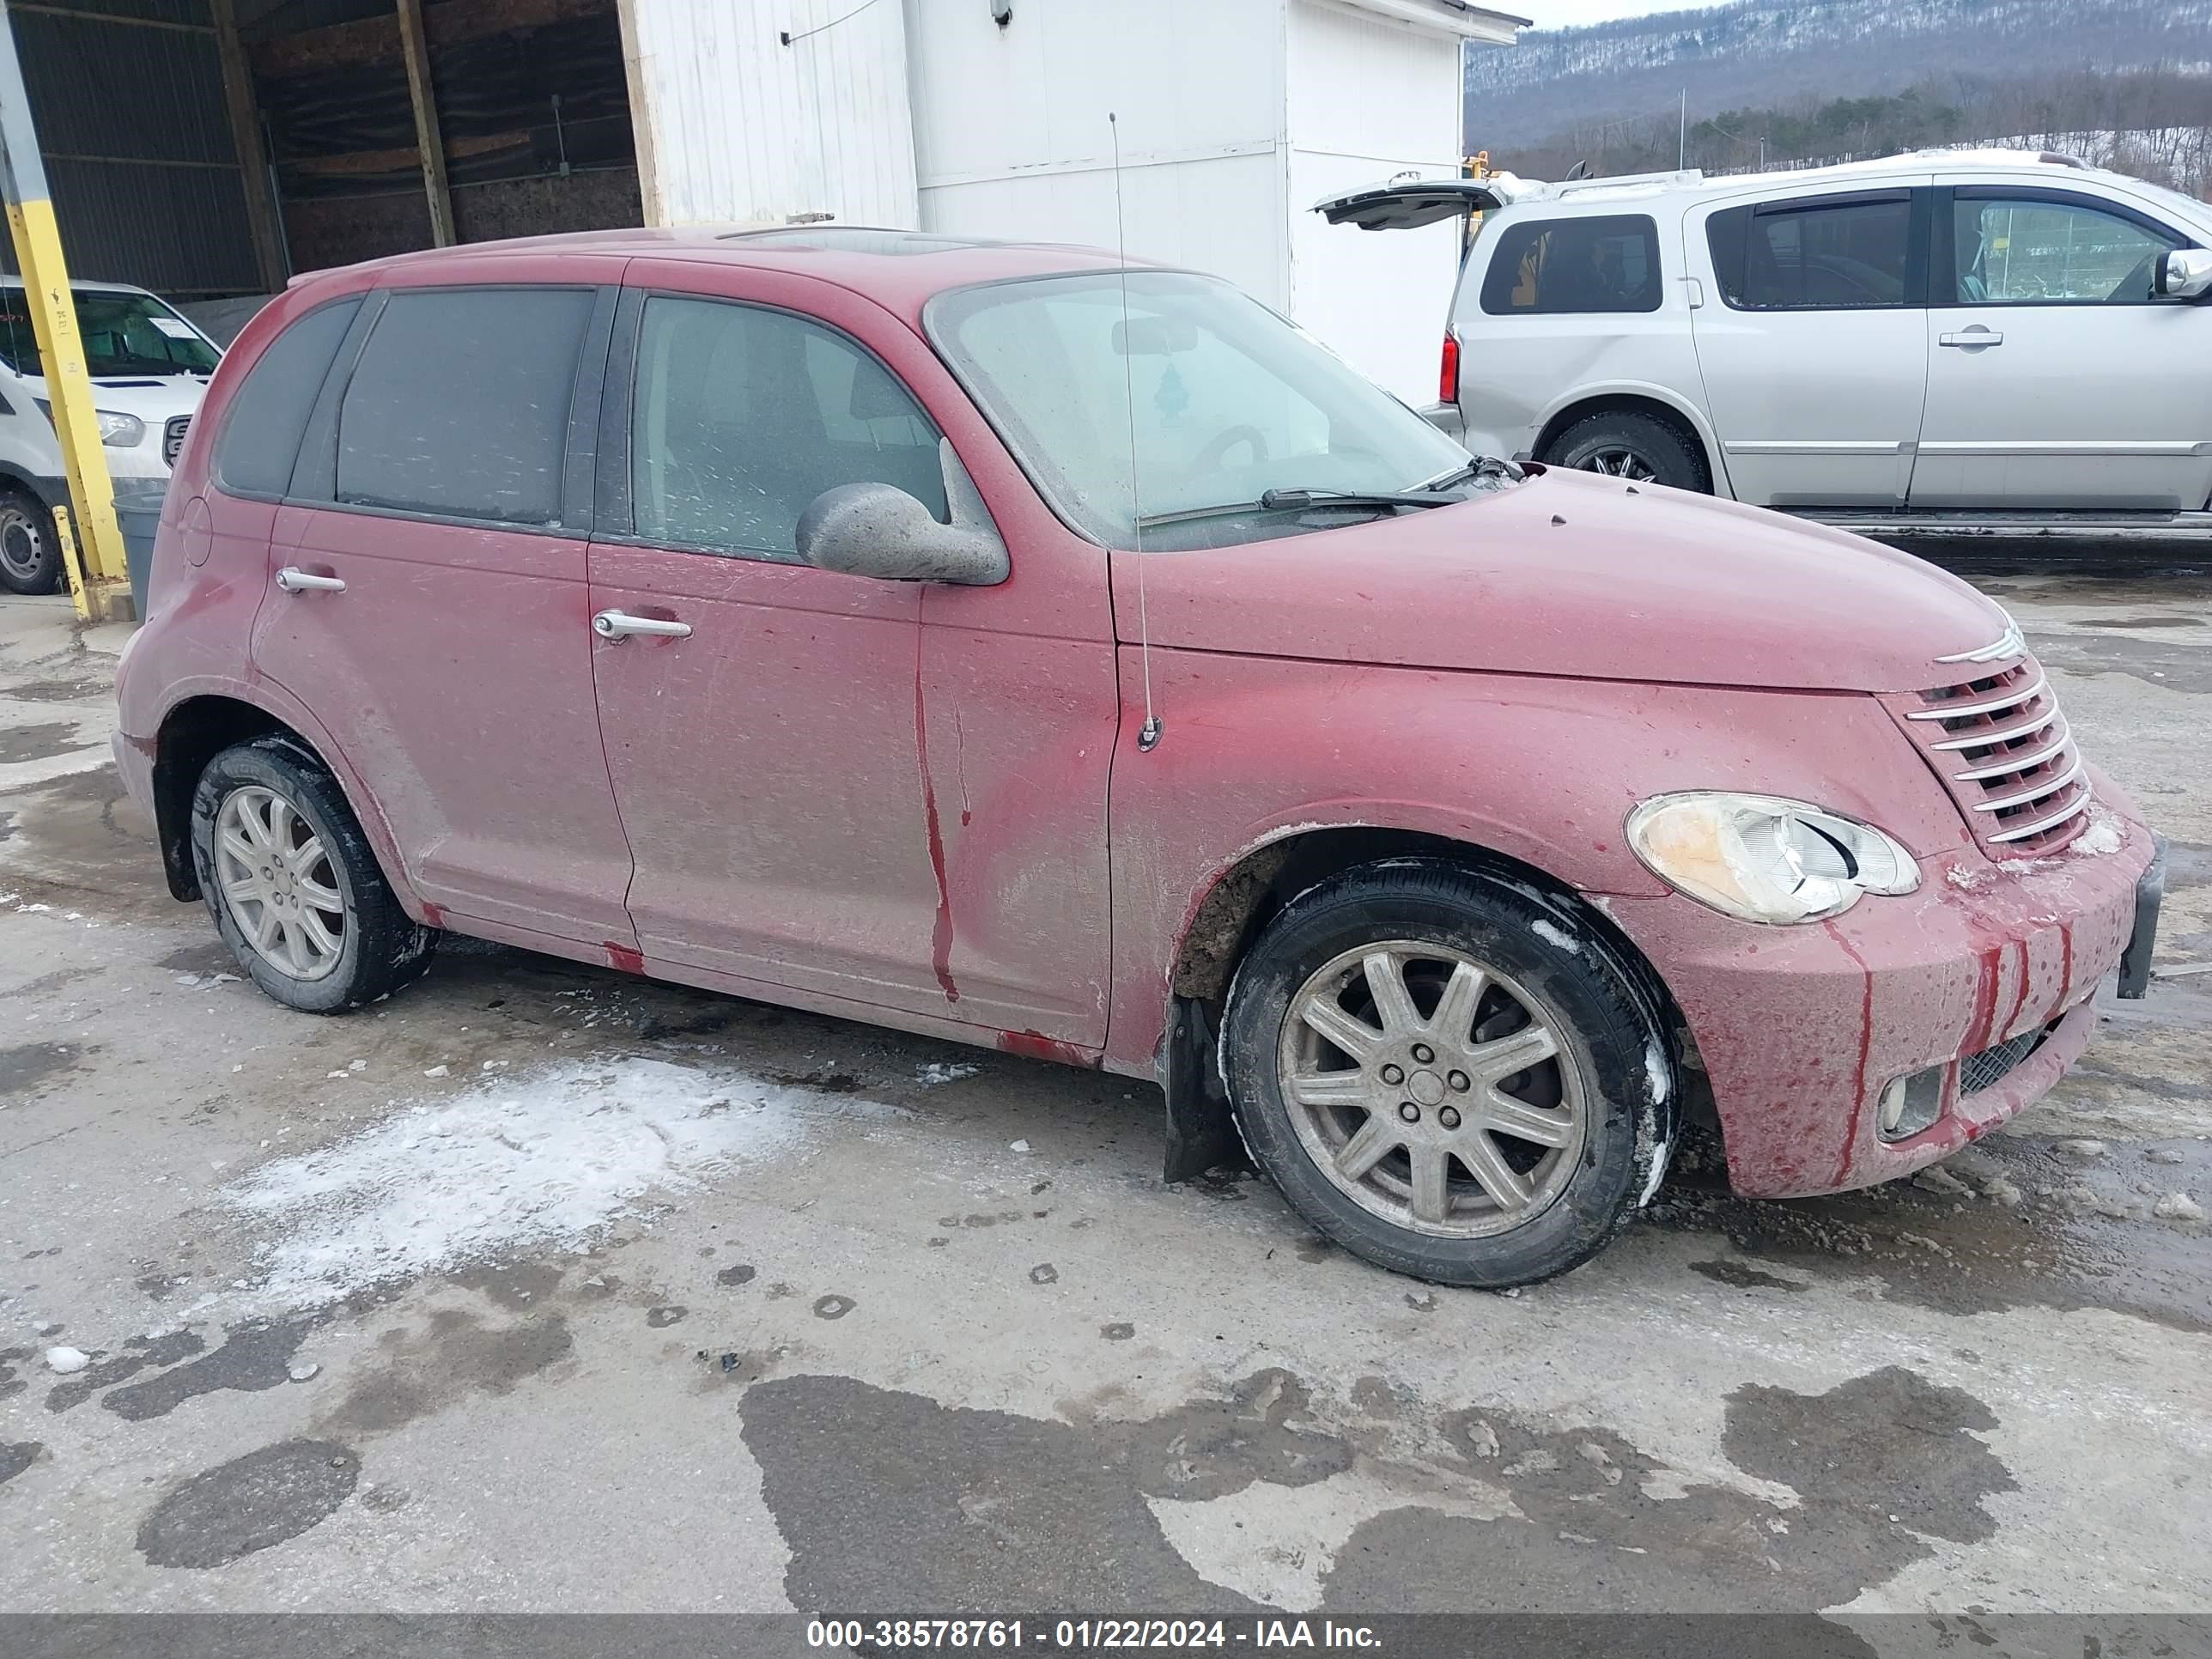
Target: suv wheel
30,556
1642,448
1447,1073
294,888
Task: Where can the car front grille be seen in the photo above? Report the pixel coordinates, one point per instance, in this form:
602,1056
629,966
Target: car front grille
173,437
2007,757
1993,1066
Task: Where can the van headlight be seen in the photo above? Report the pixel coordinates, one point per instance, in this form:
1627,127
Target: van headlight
1763,859
119,430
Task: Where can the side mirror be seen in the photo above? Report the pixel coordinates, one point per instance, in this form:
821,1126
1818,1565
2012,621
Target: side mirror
879,530
2184,273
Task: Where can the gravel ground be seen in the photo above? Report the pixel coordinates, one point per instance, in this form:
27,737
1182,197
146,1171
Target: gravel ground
542,1288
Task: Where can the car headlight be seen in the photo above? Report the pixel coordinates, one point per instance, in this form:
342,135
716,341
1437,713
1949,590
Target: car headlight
119,430
1763,859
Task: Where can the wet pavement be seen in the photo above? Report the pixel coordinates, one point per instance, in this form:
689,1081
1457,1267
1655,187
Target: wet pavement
541,1288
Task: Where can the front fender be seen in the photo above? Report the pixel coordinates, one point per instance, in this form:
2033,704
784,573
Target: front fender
1257,752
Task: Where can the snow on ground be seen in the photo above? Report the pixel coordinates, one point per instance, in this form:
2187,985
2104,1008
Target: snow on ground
539,1159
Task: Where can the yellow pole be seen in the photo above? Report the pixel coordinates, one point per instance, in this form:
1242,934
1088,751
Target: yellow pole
106,593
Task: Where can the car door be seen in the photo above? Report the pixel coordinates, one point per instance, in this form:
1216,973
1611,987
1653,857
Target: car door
1811,341
428,597
2058,378
809,777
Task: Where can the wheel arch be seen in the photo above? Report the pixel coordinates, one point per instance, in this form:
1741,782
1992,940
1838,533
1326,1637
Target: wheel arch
1655,401
1248,893
198,727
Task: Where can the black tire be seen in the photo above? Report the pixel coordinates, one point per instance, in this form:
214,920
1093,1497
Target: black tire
1659,451
1602,1010
380,947
30,555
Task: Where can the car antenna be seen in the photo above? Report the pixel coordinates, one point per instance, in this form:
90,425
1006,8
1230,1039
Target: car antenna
1148,734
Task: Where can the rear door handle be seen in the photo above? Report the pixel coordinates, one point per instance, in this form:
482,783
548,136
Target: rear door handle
1972,338
292,579
620,624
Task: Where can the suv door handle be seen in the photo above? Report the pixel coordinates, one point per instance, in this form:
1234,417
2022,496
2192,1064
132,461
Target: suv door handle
292,579
1972,338
620,625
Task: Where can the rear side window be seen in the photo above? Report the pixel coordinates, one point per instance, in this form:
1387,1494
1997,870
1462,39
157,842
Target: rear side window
459,405
261,434
1547,267
1814,255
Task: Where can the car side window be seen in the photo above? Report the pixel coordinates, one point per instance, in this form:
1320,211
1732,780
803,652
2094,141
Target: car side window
741,415
1814,255
460,406
269,413
1548,267
2026,251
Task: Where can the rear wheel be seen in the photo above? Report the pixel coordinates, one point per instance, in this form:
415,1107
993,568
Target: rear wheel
1447,1073
30,556
293,885
1641,448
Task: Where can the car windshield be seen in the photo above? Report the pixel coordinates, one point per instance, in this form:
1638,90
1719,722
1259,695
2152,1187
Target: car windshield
1228,401
124,334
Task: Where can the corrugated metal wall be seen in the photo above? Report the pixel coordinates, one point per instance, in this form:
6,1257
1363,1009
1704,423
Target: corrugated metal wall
744,127
128,101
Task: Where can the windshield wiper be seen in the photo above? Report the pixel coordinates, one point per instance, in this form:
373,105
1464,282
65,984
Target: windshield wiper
1482,466
1299,500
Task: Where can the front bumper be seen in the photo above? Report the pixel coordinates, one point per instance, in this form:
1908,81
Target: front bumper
1801,1028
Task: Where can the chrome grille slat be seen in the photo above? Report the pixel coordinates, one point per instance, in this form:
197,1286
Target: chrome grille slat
2043,791
2019,762
1983,739
173,438
1966,711
2080,807
2020,801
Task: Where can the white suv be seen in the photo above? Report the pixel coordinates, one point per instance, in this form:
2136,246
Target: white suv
149,368
1942,340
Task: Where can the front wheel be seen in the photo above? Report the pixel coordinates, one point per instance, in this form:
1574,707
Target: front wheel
293,885
30,556
1641,448
1448,1073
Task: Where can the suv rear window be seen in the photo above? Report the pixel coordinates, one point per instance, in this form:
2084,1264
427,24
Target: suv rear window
460,406
261,434
1814,254
1545,267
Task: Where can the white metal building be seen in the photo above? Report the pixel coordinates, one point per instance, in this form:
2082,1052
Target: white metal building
989,117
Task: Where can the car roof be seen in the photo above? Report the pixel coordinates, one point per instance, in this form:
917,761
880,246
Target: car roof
2042,166
77,286
900,269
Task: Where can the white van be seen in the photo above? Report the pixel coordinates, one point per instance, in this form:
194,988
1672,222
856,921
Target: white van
149,368
1950,340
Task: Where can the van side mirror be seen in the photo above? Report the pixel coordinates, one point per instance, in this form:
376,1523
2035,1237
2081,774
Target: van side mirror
879,530
2184,273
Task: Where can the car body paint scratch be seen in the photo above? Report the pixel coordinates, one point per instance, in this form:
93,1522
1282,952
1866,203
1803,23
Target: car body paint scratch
940,937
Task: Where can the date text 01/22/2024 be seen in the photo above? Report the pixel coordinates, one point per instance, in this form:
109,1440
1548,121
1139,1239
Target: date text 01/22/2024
1085,1635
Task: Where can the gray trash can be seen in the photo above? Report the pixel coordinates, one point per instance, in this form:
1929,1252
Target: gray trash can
138,516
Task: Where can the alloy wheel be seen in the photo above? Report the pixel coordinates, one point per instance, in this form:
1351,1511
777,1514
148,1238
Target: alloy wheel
1433,1091
1618,461
279,884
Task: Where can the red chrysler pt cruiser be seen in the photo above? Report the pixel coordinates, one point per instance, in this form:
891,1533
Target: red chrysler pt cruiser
1001,643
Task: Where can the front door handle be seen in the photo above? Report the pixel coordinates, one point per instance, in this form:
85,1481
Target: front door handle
292,579
1972,338
620,625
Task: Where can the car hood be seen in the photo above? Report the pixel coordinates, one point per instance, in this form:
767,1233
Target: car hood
1576,575
151,398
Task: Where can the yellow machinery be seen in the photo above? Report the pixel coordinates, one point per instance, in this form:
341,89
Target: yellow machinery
92,546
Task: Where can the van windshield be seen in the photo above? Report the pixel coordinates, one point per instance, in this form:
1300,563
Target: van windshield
1227,400
124,334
